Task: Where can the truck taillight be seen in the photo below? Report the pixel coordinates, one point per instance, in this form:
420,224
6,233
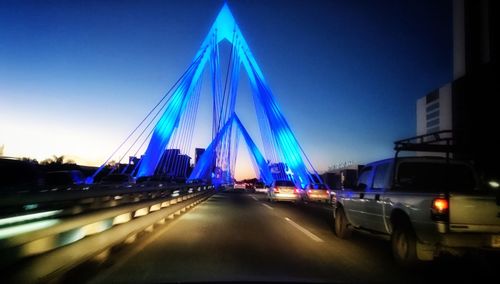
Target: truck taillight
440,209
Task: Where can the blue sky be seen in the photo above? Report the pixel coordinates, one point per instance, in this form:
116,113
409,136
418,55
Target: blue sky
77,76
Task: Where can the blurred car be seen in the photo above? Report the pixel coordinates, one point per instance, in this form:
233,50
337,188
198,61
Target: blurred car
116,181
283,190
239,186
64,180
316,192
260,187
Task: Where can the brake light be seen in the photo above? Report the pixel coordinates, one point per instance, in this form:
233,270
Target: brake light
276,190
440,208
440,204
310,191
296,191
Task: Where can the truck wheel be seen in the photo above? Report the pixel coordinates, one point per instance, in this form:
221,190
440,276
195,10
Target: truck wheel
342,228
404,246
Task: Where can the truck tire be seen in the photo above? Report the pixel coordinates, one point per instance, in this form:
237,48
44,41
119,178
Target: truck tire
404,246
342,228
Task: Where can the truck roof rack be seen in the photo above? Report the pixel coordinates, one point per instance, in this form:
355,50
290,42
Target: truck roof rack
438,142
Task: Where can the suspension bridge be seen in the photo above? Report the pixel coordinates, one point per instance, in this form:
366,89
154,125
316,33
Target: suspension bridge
130,232
164,136
46,235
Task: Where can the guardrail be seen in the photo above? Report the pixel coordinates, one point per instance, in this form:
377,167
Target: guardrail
63,238
86,198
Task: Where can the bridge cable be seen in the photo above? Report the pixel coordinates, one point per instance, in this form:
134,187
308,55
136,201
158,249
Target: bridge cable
145,118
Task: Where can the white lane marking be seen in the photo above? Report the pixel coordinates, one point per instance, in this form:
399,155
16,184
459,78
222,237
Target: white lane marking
268,207
255,198
304,230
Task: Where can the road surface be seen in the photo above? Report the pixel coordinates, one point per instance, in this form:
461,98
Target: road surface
243,237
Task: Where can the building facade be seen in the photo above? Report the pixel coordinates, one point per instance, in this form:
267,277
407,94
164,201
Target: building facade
435,112
467,105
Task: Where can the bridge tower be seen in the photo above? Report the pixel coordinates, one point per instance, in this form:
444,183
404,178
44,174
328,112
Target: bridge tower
283,157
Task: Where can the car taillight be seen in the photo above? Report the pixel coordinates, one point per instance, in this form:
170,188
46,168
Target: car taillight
276,190
296,191
310,191
440,209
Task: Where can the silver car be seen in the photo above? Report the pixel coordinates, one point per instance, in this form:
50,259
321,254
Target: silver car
283,190
316,192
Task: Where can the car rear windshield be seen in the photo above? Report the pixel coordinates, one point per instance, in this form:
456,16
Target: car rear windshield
435,177
285,183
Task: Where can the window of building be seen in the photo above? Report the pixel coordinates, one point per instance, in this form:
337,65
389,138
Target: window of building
432,115
432,107
433,129
433,122
434,96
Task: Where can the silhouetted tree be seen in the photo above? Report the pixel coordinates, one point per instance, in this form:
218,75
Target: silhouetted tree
29,160
57,160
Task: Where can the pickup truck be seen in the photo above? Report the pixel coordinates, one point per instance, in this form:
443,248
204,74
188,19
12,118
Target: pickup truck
424,205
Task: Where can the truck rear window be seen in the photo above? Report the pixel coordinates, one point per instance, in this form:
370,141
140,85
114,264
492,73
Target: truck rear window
435,177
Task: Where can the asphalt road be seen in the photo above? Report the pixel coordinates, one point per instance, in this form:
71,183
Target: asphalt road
242,237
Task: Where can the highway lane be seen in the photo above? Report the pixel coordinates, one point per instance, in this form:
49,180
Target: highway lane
242,237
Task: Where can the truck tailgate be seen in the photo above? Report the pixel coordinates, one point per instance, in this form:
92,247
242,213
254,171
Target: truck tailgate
474,213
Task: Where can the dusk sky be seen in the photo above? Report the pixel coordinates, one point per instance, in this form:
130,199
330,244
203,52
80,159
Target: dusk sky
77,76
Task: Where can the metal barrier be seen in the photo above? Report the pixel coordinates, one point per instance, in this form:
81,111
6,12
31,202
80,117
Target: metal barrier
55,243
89,197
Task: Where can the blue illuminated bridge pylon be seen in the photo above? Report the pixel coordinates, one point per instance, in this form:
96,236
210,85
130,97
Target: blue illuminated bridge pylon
168,128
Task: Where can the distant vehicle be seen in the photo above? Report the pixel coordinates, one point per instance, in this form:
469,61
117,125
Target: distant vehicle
316,192
116,181
239,186
283,190
424,205
65,180
260,187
